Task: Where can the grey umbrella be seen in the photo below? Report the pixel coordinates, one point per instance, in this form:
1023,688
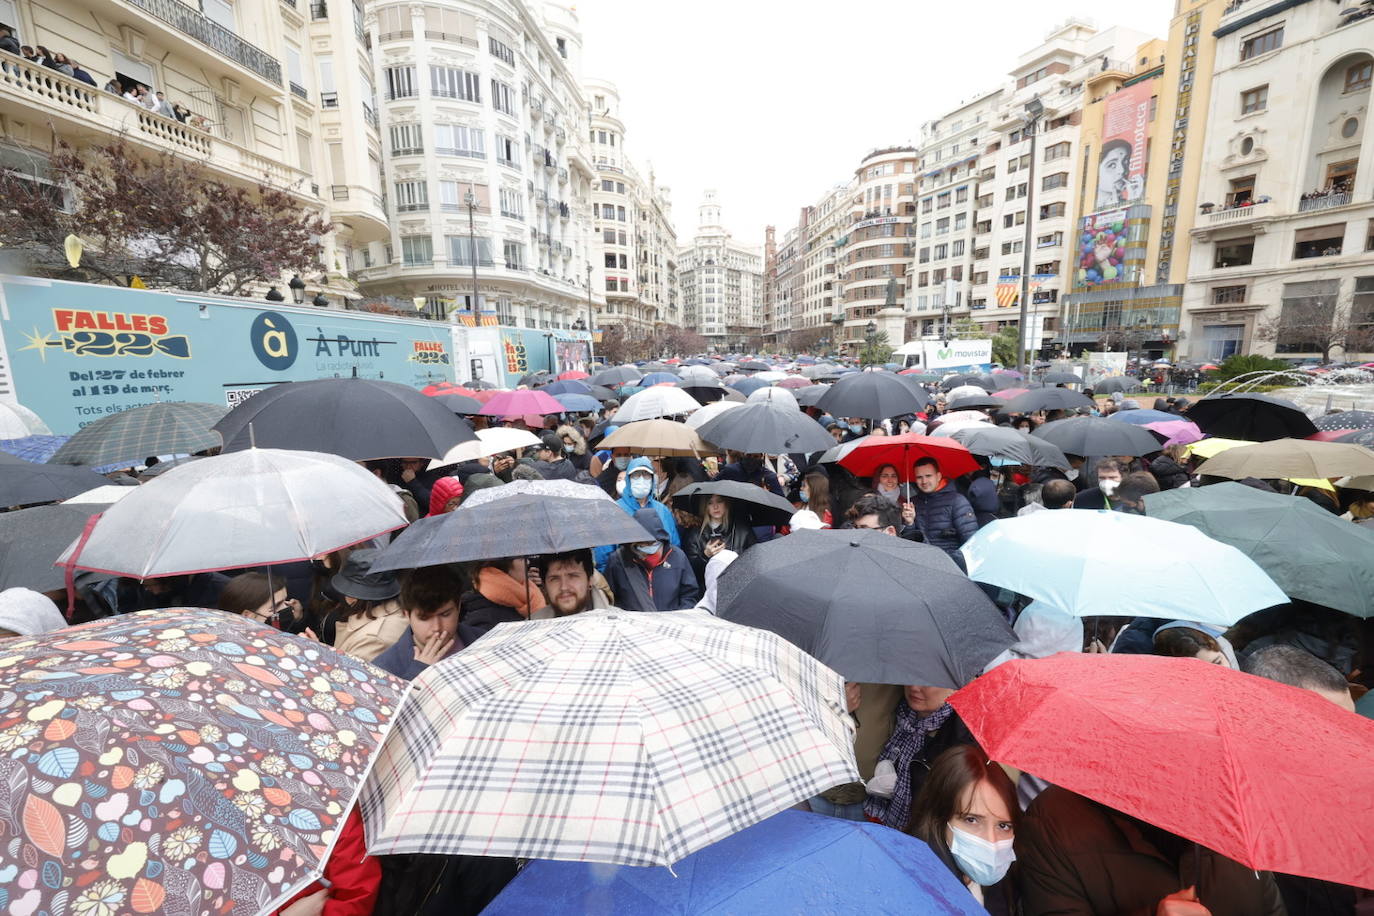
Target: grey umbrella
130,436
848,599
1047,399
23,483
1116,384
31,540
761,506
1346,419
1010,444
762,428
811,395
872,396
1096,437
617,376
1060,377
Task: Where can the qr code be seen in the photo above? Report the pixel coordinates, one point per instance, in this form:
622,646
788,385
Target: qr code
238,396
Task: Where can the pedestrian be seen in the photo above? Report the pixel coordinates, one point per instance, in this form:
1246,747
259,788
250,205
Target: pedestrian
8,43
445,495
370,619
575,446
814,494
1170,467
719,530
113,87
873,513
981,492
1135,486
351,879
164,107
1102,496
181,112
640,486
258,597
924,726
941,513
1186,639
549,459
653,574
24,612
966,813
570,584
429,598
503,591
62,65
887,483
751,468
1054,494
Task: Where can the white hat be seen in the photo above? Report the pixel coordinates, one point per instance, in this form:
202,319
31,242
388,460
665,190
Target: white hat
29,613
805,519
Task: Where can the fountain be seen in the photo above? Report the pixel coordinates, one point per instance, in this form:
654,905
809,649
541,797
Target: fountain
1339,389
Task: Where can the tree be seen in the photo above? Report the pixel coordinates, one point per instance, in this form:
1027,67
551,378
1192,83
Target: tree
1316,324
673,341
810,340
167,220
966,328
1004,344
614,347
876,350
1238,364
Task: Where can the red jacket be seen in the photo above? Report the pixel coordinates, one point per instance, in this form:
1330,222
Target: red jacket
354,876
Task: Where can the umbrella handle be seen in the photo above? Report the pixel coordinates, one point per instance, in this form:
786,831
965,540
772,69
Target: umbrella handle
69,576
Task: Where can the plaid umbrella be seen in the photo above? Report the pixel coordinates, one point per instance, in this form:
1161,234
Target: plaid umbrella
177,761
607,736
37,449
130,436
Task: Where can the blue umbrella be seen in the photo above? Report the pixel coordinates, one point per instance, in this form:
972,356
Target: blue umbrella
37,449
747,386
657,378
578,403
1142,416
794,862
566,386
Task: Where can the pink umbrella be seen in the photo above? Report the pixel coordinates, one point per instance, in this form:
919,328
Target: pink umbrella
522,402
1329,435
794,381
1007,394
1176,432
572,375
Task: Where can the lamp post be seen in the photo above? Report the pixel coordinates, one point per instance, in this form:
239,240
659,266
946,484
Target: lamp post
591,319
1034,109
297,286
470,200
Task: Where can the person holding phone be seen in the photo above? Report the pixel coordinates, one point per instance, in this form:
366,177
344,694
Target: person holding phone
718,531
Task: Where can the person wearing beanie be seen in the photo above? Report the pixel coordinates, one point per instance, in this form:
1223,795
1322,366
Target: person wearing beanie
25,612
444,495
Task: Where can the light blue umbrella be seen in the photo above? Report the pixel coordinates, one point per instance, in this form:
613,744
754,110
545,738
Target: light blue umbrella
577,403
794,862
1111,563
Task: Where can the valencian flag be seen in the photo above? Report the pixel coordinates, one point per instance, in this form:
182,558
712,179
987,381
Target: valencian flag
1009,288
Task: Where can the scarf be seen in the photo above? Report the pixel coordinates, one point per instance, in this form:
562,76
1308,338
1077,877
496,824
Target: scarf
503,588
909,735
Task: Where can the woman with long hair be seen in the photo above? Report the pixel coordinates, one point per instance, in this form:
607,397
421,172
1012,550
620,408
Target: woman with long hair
719,530
815,495
369,619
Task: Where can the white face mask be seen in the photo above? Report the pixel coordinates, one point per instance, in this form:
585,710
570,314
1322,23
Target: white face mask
641,486
985,863
1108,487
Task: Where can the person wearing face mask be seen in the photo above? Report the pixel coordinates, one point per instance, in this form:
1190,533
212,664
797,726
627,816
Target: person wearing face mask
251,595
966,813
640,486
751,468
1102,496
652,575
610,463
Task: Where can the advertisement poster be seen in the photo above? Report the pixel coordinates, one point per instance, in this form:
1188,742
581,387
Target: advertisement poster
1102,249
573,355
958,356
77,352
1125,134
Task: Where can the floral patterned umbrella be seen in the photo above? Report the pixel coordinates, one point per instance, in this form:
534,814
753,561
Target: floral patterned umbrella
181,761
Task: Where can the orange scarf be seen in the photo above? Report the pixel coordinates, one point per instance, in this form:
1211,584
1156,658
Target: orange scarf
505,589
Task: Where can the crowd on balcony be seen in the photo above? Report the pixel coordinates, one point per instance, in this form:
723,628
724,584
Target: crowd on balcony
1335,189
42,57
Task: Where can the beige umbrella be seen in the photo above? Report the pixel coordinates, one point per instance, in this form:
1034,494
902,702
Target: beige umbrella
665,438
1292,458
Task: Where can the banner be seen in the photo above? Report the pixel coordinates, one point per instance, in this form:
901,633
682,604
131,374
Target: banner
1121,162
958,356
572,355
1102,248
1009,288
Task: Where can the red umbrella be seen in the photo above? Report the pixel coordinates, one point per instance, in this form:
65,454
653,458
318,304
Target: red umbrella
1007,394
572,375
1275,777
522,402
794,381
1329,435
440,388
903,451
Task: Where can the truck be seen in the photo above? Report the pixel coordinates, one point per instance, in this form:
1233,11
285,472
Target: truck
946,357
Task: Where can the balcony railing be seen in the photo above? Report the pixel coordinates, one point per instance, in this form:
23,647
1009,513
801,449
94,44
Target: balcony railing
34,79
1238,213
1323,200
190,21
339,191
298,90
329,100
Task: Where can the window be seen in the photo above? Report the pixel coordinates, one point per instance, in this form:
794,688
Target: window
1222,340
980,277
1049,268
1015,219
1058,151
927,205
405,139
1256,99
925,256
394,22
1057,180
1262,43
400,82
620,214
607,184
1319,241
463,248
609,259
923,278
457,140
512,206
1011,271
417,250
1242,192
1049,241
1234,252
938,276
220,12
507,152
1228,295
1305,319
502,99
608,211
942,200
1049,211
982,227
941,252
956,250
980,254
501,52
961,195
985,201
960,220
608,236
1012,247
1357,77
411,195
1361,316
452,83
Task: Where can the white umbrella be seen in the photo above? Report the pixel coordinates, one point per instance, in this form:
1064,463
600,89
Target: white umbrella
655,402
964,391
111,493
950,427
775,397
955,416
250,508
770,376
489,442
709,412
17,421
700,375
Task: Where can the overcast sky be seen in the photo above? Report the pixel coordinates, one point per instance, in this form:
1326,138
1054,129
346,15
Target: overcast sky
772,102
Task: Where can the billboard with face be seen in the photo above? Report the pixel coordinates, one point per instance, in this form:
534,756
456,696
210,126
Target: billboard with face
1125,138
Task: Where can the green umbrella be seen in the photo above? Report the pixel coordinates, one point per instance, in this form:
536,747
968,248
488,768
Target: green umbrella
1310,553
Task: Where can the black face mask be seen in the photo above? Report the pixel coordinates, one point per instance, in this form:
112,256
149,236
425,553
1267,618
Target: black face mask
751,465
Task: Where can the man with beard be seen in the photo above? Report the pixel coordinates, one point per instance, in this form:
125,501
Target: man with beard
568,584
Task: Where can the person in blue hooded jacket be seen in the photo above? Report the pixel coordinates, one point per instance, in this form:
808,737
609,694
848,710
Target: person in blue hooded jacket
640,486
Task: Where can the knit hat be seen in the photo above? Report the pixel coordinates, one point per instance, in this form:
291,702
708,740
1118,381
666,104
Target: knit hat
481,481
29,613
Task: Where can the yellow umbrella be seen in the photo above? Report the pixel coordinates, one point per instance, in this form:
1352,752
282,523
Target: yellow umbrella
1210,448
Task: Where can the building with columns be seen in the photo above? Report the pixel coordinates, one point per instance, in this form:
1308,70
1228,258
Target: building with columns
721,283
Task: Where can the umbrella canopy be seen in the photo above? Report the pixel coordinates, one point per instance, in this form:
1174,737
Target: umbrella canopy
811,395
606,736
1116,384
1363,437
1308,552
709,412
522,402
1094,437
250,508
748,386
1346,419
1047,399
616,376
1010,445
754,365
794,382
781,398
872,396
1007,394
1093,563
180,755
572,375
771,376
802,587
23,483
658,378
460,404
537,377
523,523
577,403
130,436
1144,416
921,376
699,374
956,381
1289,458
975,402
652,403
759,506
786,864
1149,736
31,540
821,371
567,386
354,418
1060,377
959,392
1256,417
37,449
766,430
489,442
665,438
902,452
1176,432
17,422
1211,447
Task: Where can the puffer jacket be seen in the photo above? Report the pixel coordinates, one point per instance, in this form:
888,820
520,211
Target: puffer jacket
945,518
1170,474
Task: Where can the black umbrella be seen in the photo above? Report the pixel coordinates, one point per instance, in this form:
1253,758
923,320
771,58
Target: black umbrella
1347,419
23,483
1115,384
703,393
1061,378
460,403
1097,437
761,506
811,395
872,396
761,428
847,598
128,437
354,418
31,540
754,365
1047,399
976,402
1010,444
954,381
617,376
1252,417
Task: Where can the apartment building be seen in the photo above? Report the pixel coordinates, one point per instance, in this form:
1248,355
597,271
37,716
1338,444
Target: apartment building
875,252
721,283
801,282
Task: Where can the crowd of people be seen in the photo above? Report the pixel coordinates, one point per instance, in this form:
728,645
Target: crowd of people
1017,843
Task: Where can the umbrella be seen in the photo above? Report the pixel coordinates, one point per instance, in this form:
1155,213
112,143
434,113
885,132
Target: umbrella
479,384
748,386
789,863
522,523
656,366
1211,447
975,402
250,508
1093,563
1048,399
1007,394
764,429
967,391
1346,419
1176,432
762,507
538,377
733,396
179,761
461,404
794,382
872,396
771,376
1289,458
437,389
1061,378
355,418
652,403
37,449
1149,736
105,493
567,386
698,373
658,437
31,540
802,587
780,398
917,375
521,403
489,442
821,371
902,452
1095,437
1116,384
955,416
709,412
18,422
1363,437
811,396
956,381
616,376
1010,445
572,375
658,378
1308,552
577,403
754,365
1144,416
1256,417
24,483
606,736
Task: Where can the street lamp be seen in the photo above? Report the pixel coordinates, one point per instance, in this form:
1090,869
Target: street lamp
1034,109
297,289
591,318
470,200
274,295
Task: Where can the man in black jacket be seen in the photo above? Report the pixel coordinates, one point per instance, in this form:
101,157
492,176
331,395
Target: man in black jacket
943,515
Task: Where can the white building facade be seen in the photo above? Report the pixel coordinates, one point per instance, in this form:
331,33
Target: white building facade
721,283
875,254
